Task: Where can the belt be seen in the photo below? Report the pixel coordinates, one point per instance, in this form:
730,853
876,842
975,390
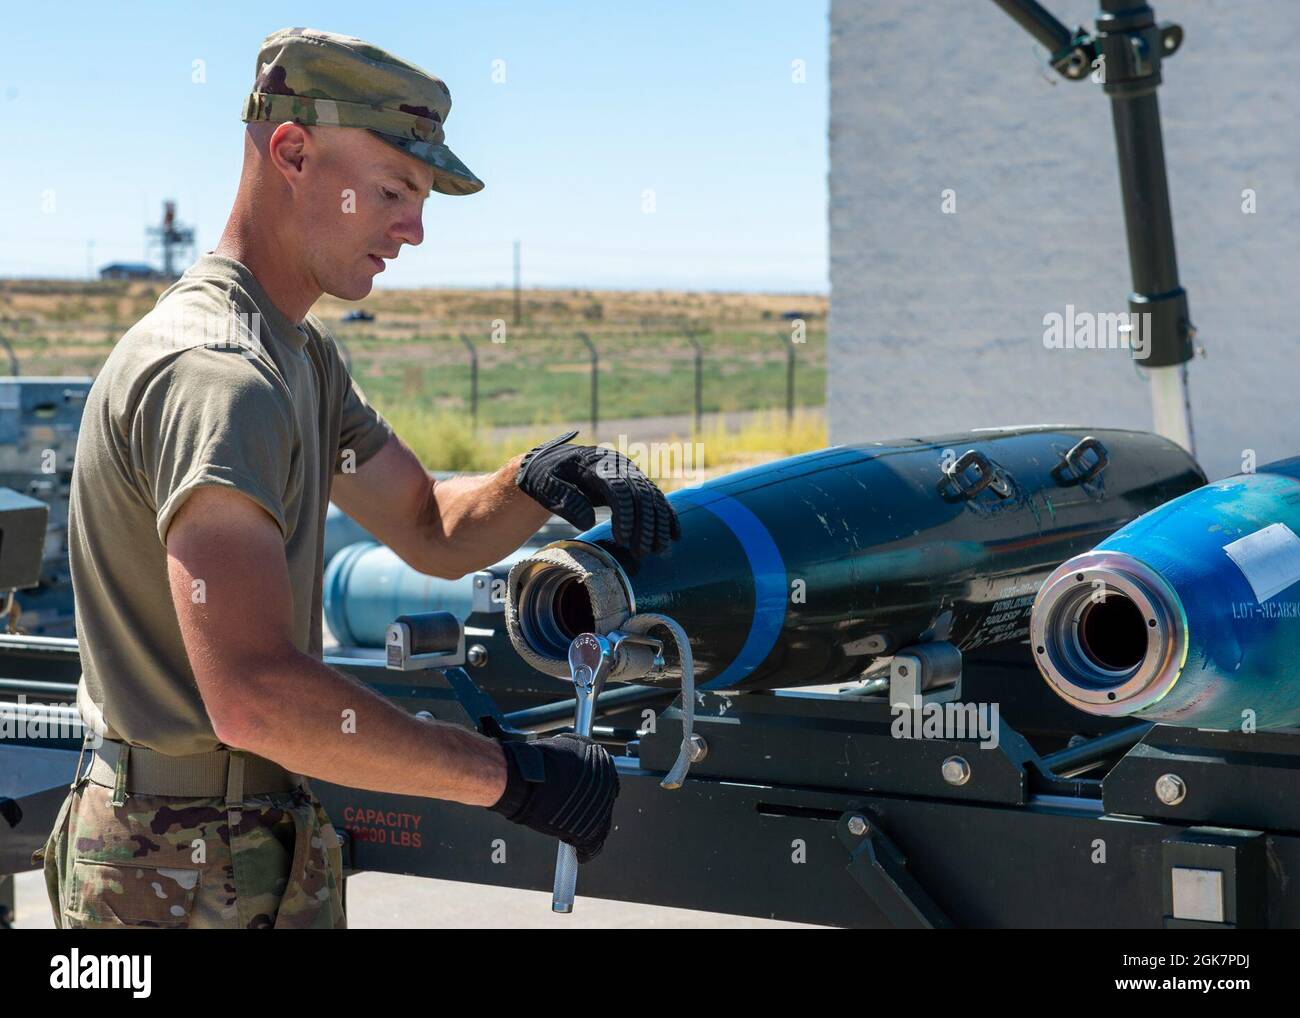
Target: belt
136,770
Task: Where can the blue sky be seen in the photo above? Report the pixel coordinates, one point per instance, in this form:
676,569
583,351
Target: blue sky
602,102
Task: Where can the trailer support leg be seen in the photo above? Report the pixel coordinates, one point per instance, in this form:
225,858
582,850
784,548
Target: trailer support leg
880,868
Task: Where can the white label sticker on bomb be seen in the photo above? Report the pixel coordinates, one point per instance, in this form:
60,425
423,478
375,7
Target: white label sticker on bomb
1268,558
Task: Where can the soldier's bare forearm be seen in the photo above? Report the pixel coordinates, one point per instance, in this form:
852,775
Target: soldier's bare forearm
315,721
482,518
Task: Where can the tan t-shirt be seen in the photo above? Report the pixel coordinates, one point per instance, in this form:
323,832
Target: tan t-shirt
213,386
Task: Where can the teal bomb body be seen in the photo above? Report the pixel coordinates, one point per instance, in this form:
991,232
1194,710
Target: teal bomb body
1189,615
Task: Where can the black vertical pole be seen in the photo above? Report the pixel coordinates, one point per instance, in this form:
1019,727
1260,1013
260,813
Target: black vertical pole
1132,45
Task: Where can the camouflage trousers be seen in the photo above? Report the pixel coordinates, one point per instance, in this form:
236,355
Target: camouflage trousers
180,863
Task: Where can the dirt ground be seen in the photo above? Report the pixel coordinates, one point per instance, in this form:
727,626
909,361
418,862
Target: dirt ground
386,901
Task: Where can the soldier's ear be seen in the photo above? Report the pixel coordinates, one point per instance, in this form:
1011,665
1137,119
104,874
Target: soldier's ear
287,148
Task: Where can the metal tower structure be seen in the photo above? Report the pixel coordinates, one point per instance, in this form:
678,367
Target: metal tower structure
173,238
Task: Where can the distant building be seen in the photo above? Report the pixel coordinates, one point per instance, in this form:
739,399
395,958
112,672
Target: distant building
129,270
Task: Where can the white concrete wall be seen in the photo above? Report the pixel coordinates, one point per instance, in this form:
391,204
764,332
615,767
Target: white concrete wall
936,320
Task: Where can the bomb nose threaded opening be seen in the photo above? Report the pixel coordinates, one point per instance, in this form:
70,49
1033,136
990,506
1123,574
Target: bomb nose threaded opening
563,590
554,608
571,606
1112,633
1096,636
1108,633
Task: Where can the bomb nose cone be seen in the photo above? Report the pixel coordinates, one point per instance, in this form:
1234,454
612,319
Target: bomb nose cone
1108,633
1215,574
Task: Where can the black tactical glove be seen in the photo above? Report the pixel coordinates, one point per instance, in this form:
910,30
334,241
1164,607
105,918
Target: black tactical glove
570,480
565,787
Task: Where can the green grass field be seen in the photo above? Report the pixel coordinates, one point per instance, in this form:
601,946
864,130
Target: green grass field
415,369
534,380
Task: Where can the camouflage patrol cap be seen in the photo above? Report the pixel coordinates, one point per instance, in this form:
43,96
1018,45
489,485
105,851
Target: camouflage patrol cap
312,77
